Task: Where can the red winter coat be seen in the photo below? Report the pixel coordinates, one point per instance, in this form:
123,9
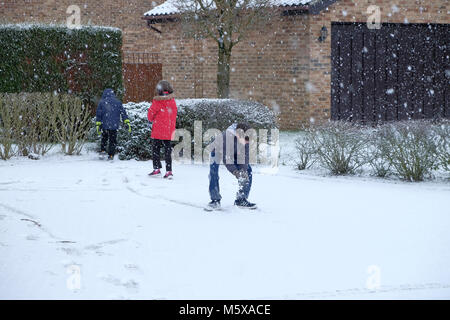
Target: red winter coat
163,114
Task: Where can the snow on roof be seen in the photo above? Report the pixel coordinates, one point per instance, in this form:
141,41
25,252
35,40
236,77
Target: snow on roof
169,7
166,8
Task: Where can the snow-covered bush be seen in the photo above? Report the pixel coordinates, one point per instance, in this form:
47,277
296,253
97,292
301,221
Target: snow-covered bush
442,131
214,113
137,144
35,122
30,127
376,157
70,120
340,147
306,149
221,113
411,149
9,119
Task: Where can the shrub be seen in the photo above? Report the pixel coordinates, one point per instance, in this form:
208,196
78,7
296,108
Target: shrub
27,116
9,118
35,122
411,149
214,113
340,147
221,113
70,120
35,125
135,145
442,132
306,149
48,58
376,157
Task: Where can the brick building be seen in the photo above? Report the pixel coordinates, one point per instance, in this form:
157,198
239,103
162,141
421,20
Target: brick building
305,63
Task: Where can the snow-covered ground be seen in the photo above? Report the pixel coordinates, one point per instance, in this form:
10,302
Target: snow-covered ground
81,228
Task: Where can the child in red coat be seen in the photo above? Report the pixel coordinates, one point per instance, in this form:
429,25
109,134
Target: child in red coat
163,114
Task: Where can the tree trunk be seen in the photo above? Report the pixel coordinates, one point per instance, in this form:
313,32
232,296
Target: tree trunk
223,73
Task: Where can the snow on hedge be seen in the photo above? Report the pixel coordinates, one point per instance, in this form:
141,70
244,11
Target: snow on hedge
213,113
28,26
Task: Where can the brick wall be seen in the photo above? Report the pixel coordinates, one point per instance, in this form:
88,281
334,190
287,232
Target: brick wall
270,66
282,65
393,11
123,14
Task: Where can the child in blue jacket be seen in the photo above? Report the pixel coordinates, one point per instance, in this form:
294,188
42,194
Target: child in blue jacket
109,113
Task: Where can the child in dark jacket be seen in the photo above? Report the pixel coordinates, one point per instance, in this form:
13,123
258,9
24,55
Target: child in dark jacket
163,114
235,157
109,112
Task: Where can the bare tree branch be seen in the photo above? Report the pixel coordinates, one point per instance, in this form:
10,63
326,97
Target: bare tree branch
227,22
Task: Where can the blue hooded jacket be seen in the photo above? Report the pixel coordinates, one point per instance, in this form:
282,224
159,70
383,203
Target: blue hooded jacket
109,111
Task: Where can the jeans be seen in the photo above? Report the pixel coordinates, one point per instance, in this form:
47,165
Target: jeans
111,137
214,190
157,144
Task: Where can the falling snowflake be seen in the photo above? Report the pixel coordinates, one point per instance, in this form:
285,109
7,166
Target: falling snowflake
390,91
310,87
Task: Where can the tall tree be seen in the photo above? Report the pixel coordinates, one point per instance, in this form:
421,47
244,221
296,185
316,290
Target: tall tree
227,22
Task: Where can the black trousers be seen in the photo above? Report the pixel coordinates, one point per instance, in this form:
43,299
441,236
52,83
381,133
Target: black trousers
111,137
157,144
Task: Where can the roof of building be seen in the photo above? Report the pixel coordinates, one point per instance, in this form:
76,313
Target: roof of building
169,7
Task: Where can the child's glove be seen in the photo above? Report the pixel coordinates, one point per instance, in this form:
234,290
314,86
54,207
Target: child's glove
98,124
128,123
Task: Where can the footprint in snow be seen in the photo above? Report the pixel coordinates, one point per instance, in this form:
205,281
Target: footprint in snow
131,267
129,284
100,245
70,251
32,237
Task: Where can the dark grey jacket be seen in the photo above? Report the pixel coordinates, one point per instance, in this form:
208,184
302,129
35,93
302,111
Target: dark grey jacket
237,157
109,111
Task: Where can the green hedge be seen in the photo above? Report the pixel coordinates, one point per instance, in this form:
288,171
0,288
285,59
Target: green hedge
54,58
